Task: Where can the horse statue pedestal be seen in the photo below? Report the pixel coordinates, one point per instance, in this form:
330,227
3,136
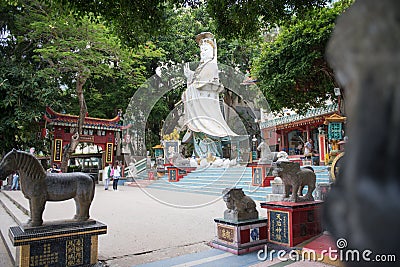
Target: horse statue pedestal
291,223
57,243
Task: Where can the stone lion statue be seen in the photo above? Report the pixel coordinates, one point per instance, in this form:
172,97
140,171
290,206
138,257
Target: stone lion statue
296,178
240,207
179,161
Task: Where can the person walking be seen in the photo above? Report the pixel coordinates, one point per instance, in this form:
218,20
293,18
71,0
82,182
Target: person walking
308,148
116,175
15,181
54,169
108,176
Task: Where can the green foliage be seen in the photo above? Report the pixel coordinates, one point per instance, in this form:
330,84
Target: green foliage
24,97
135,21
46,53
24,94
105,95
245,18
291,70
59,42
185,23
66,49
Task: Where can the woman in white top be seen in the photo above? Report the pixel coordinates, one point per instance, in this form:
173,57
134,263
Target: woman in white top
308,148
116,175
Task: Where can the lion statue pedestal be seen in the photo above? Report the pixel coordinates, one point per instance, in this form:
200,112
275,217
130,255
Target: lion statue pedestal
241,230
296,218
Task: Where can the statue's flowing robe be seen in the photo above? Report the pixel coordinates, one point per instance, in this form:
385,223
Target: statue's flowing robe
201,102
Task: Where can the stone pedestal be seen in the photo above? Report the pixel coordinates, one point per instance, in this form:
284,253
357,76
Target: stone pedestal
278,190
260,175
322,190
290,224
151,174
177,173
274,197
58,244
173,174
278,187
240,237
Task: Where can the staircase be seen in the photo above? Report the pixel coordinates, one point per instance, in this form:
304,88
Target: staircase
213,181
138,168
11,213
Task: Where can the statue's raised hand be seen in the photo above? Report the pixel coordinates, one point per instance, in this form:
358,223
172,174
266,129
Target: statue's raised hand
188,72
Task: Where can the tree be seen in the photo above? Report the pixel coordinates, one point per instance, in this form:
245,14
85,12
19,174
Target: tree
44,50
291,70
135,21
75,52
71,56
245,19
24,94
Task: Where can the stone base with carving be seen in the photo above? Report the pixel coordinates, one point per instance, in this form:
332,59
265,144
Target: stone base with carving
58,244
322,191
290,224
260,175
177,173
274,197
240,237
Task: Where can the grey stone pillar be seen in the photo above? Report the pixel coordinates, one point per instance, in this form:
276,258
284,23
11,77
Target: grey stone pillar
364,205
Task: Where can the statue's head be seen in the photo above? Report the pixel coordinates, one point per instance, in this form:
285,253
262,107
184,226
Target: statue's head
7,164
207,45
230,194
286,167
227,196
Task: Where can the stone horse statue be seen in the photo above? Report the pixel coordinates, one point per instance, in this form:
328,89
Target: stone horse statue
293,176
39,186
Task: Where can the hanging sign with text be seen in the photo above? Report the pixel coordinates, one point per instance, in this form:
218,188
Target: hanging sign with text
57,150
109,152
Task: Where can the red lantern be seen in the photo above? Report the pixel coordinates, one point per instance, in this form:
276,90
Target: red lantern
45,133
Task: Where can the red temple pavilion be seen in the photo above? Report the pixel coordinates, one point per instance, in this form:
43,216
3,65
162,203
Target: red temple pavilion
100,132
288,132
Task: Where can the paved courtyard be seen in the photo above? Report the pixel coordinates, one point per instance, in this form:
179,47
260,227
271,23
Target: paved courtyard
154,226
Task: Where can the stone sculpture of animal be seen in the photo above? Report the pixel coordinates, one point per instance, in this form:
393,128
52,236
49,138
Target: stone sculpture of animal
240,207
39,186
179,161
296,178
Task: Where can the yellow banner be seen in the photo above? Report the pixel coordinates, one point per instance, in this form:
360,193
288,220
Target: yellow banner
57,155
109,152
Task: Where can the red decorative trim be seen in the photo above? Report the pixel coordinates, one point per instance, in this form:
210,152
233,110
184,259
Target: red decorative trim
70,120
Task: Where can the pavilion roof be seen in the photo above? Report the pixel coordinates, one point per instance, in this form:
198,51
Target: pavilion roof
315,115
59,119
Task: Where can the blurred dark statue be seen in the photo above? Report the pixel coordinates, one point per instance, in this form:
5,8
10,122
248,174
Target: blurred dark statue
296,179
39,186
364,204
240,207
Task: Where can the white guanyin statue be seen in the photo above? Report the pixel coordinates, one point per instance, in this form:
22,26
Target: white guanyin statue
202,111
